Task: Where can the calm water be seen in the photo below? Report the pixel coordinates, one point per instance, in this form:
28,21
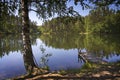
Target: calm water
56,52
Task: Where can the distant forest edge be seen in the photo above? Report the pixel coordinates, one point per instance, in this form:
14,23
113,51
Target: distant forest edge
98,21
12,24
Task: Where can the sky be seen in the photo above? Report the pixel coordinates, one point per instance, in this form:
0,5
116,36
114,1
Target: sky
78,8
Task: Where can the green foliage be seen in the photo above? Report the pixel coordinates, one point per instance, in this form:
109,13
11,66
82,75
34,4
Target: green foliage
63,72
103,21
12,24
45,58
98,21
87,65
65,24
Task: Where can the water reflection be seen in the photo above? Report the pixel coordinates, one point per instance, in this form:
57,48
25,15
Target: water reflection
89,48
11,65
92,43
9,43
10,46
112,57
55,52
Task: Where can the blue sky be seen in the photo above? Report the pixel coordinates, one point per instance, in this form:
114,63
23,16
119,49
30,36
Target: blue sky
78,8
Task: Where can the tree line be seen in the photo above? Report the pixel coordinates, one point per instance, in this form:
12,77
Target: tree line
99,20
103,20
48,8
62,24
12,24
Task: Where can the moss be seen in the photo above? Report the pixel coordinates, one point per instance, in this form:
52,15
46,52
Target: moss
45,68
73,71
62,72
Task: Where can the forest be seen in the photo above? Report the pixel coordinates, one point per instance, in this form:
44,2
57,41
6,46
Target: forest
99,20
12,24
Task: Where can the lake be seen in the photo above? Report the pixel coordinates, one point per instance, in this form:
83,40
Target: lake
55,52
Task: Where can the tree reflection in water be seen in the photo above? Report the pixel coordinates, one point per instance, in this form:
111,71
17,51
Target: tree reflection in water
95,46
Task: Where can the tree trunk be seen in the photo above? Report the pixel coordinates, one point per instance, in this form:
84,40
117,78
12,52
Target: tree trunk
27,50
25,28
